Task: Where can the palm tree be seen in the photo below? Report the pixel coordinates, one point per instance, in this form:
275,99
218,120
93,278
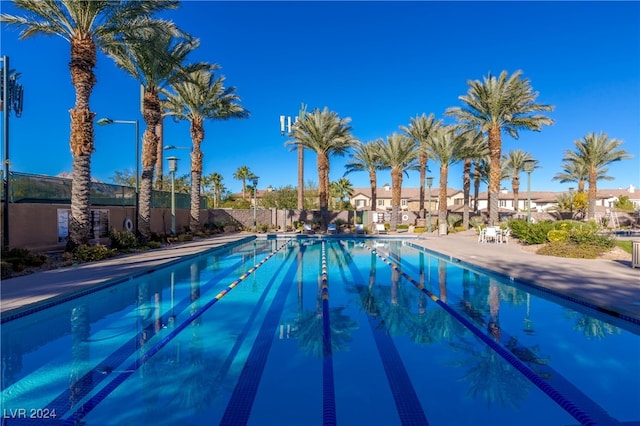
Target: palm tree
87,26
326,134
242,174
420,129
573,171
514,164
154,58
214,180
398,154
473,151
366,157
445,146
343,189
198,97
505,103
594,152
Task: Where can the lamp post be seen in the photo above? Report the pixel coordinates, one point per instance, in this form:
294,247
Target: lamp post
173,167
429,180
289,133
528,167
571,201
254,181
12,98
107,121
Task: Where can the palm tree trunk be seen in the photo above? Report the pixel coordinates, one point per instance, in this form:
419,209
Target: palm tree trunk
323,186
396,195
159,155
591,195
515,184
197,136
300,176
476,186
495,153
374,188
152,115
466,188
442,197
83,61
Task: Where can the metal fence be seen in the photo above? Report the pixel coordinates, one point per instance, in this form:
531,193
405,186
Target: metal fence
29,188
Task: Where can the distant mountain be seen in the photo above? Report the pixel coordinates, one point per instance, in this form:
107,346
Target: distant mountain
69,175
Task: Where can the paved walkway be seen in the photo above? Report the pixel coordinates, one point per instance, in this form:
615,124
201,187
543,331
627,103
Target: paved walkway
611,285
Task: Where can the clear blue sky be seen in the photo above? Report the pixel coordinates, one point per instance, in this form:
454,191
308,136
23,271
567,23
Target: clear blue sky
379,63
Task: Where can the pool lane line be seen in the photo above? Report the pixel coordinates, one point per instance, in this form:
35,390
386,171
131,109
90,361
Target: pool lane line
563,385
63,402
575,411
408,404
241,401
328,385
88,406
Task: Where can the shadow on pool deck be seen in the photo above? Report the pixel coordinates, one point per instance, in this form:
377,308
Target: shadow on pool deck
611,285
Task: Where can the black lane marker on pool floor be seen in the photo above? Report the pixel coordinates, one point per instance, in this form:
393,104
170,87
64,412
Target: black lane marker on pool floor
407,403
88,406
569,406
89,381
562,384
241,402
328,386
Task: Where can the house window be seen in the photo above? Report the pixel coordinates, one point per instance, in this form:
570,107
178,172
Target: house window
361,203
403,203
458,201
503,203
381,203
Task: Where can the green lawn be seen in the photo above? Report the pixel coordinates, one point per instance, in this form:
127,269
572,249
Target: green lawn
625,245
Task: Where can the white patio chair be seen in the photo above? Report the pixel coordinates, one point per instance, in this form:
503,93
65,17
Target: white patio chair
359,228
332,228
490,234
505,235
380,229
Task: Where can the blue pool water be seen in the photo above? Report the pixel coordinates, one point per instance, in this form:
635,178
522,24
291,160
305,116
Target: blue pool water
317,331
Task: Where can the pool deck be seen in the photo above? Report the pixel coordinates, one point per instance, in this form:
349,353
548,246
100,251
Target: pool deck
611,285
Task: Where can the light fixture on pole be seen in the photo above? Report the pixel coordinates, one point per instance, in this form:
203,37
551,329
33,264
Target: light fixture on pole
528,167
571,201
173,167
289,133
254,180
106,122
12,98
429,180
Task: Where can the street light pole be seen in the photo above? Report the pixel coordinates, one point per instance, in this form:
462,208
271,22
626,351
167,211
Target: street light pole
107,121
289,133
173,167
528,167
12,97
429,180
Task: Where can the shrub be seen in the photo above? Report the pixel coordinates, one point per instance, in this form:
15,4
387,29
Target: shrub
154,244
578,251
123,240
86,253
418,230
558,236
185,237
403,226
454,220
20,259
531,233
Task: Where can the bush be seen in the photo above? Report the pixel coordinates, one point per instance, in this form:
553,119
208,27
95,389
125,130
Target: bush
577,251
418,230
19,259
154,244
123,240
558,236
454,220
86,253
531,233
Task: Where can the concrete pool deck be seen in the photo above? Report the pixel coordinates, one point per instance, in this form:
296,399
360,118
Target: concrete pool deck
611,285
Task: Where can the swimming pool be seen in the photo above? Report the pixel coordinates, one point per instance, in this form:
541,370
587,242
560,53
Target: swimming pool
310,331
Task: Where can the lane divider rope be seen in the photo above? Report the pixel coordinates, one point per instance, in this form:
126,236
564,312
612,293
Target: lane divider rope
328,388
103,393
543,385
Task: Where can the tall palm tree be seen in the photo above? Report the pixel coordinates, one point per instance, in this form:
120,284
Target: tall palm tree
366,157
445,146
326,134
200,96
399,154
420,129
87,26
505,103
514,164
574,170
156,59
594,152
241,174
474,150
